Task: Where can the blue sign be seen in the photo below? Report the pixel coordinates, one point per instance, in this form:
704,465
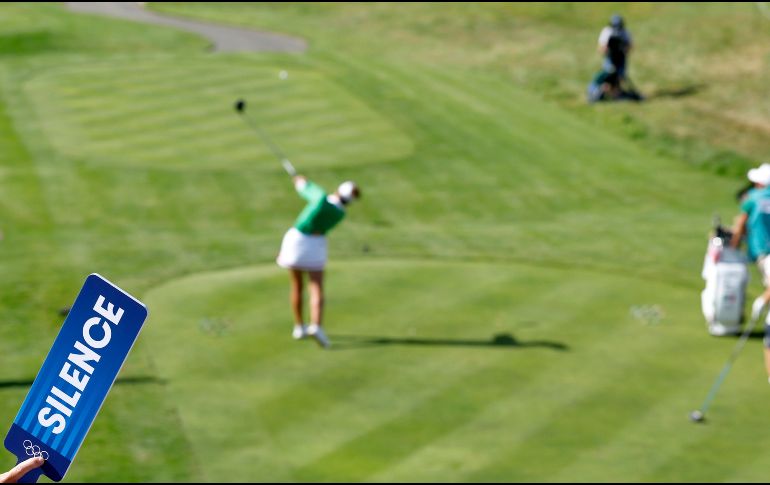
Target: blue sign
79,371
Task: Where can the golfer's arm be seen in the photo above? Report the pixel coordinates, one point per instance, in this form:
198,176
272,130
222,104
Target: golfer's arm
739,229
308,190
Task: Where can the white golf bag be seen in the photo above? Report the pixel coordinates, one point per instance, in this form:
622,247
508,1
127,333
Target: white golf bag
726,273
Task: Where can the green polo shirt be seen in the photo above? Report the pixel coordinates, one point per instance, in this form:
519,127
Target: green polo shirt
319,215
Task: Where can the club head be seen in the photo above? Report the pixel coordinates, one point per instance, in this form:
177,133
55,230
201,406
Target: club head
240,105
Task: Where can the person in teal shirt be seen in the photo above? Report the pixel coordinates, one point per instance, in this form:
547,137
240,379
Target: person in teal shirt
304,250
754,223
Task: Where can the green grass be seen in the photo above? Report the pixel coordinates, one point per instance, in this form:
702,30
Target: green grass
717,52
114,114
417,390
480,296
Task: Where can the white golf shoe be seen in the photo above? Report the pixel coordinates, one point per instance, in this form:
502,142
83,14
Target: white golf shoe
318,334
299,332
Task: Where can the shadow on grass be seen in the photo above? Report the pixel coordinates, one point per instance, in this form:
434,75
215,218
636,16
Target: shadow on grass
754,335
500,340
126,381
676,92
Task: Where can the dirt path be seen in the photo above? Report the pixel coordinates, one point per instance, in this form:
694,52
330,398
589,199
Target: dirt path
225,39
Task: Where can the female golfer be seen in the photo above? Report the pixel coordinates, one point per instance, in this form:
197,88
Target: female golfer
304,250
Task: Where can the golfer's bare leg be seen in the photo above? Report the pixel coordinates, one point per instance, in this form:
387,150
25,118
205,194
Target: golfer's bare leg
296,295
317,308
316,296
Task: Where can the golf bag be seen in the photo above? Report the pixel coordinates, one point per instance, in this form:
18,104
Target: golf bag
726,273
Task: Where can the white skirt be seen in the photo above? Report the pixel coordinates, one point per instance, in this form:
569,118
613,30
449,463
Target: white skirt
302,251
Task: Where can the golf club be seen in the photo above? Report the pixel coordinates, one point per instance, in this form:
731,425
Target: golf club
699,415
240,108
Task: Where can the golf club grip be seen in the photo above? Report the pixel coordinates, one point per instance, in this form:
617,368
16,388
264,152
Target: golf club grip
289,167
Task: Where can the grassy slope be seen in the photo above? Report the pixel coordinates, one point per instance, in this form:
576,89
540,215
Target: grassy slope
596,235
425,84
51,244
719,51
499,203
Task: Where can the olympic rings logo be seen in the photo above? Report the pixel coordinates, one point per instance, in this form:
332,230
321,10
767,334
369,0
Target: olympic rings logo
34,450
